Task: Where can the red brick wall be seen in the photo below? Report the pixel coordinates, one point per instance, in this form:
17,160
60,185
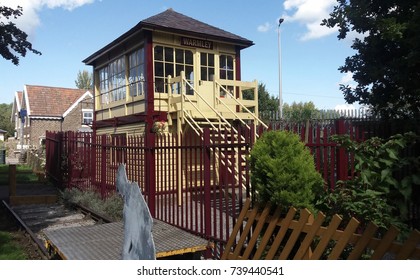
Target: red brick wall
38,128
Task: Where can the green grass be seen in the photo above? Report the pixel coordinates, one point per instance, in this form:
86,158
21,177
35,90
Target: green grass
9,249
23,174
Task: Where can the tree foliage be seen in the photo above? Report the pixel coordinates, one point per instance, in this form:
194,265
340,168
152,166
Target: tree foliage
386,65
84,80
5,115
382,188
299,112
13,41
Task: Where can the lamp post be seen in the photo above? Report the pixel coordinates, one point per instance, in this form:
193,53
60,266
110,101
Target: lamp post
280,89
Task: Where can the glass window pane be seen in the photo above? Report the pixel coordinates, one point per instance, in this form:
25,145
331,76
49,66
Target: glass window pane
169,54
203,59
159,85
211,59
230,75
159,53
159,69
189,57
179,68
169,69
230,62
204,74
179,56
211,74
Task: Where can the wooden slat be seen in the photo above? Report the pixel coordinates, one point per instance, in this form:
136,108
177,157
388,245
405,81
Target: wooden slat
244,234
304,215
310,237
268,233
343,241
363,242
409,245
236,229
282,232
326,237
385,243
256,232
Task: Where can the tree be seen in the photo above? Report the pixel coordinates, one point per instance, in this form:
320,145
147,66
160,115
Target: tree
13,41
299,112
283,171
5,115
265,101
84,80
386,65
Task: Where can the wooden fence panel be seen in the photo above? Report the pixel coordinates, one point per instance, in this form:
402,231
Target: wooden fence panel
296,239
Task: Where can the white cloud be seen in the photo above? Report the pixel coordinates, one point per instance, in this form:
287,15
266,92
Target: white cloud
347,80
310,13
264,27
30,20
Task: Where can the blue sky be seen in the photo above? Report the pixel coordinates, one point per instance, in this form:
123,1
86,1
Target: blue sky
68,31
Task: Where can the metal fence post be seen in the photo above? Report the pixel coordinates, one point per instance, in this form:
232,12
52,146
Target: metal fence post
150,169
341,156
103,165
207,181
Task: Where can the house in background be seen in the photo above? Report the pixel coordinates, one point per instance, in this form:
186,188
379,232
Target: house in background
40,108
173,70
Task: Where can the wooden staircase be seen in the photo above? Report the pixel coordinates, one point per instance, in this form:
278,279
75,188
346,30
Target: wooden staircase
196,112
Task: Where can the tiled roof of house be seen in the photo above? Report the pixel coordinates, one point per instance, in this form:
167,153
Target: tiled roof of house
174,22
50,101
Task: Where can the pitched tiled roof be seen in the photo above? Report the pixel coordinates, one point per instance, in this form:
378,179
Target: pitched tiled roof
174,22
50,101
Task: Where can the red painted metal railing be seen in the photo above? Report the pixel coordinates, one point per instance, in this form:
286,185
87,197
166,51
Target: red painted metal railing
188,180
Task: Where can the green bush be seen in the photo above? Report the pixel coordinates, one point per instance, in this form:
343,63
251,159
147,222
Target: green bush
283,171
381,189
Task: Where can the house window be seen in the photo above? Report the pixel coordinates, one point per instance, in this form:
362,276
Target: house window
226,67
170,61
136,78
87,117
207,66
226,73
112,81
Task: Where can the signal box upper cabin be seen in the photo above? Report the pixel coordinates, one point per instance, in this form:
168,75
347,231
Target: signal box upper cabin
171,72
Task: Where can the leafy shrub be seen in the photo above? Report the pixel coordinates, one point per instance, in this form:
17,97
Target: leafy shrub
283,171
382,186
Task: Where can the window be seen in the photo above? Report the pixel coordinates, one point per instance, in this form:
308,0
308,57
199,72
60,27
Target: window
117,79
103,85
112,81
207,66
226,73
171,61
87,117
136,77
226,67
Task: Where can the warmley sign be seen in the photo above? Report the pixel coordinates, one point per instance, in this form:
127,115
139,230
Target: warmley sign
196,43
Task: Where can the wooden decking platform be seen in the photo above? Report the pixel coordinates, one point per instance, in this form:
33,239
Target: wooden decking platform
105,241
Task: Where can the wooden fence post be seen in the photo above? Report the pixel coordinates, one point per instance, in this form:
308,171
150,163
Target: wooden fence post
341,156
12,180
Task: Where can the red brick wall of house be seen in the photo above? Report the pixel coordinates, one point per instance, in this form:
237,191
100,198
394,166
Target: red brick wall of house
73,121
37,129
